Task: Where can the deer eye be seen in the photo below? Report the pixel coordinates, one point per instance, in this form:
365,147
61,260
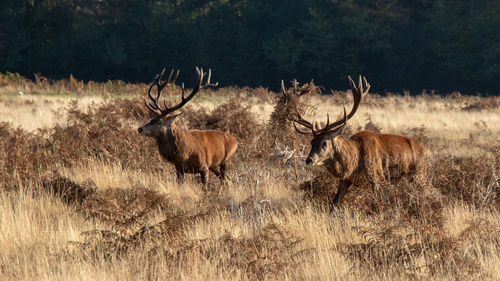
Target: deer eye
323,145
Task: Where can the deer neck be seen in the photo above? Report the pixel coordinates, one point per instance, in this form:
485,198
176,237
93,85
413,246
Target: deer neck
344,159
172,142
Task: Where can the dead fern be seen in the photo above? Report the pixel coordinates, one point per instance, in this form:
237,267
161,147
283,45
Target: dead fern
418,250
127,239
321,189
420,134
289,104
269,254
69,191
372,126
124,210
474,181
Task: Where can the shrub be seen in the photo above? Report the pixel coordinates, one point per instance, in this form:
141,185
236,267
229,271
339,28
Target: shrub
474,181
289,104
234,118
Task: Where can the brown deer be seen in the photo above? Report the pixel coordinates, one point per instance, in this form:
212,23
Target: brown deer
364,157
191,151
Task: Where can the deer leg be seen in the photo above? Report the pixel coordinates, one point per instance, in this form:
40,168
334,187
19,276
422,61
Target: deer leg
343,187
214,170
204,173
223,168
180,175
222,173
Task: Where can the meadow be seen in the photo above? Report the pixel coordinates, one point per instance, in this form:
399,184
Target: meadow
84,197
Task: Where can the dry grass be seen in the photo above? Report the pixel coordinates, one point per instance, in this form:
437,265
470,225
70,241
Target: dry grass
84,197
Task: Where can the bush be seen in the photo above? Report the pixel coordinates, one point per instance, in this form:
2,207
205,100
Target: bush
289,104
23,155
474,181
234,118
105,132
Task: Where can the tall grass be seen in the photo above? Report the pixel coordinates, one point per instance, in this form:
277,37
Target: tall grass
84,197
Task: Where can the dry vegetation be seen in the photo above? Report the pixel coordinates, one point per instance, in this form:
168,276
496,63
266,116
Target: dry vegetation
84,197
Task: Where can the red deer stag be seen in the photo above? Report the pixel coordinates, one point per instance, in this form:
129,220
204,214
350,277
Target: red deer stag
191,151
366,156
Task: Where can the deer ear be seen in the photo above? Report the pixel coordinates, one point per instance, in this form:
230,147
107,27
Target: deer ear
171,119
175,116
335,133
340,130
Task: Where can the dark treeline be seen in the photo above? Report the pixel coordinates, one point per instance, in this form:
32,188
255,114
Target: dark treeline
415,44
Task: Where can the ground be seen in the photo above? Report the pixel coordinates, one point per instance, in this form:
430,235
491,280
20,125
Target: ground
85,197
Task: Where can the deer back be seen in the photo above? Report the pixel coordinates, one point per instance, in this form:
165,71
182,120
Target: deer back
387,156
216,147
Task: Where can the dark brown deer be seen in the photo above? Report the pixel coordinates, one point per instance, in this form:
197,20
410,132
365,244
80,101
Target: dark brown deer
364,157
191,151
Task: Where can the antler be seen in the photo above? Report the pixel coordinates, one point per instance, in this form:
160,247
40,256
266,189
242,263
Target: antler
357,93
304,123
154,107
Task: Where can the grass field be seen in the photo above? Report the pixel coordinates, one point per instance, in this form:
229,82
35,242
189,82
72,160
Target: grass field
84,197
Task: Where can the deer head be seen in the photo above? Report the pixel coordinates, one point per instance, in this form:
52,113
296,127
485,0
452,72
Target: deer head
323,144
164,120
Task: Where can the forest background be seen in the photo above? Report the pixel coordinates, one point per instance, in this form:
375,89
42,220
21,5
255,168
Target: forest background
417,45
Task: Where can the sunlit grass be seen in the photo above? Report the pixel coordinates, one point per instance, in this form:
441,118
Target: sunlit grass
258,225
